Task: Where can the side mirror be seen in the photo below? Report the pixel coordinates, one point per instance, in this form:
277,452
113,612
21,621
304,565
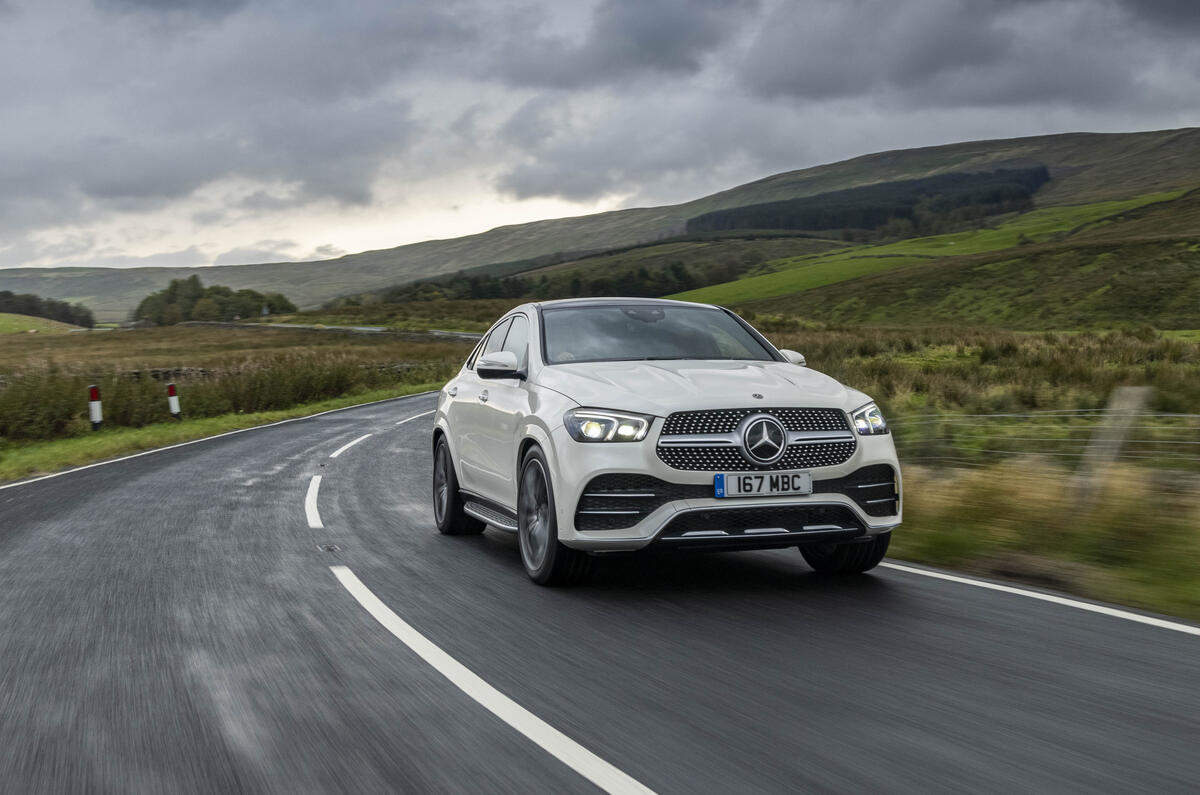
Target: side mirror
500,364
793,357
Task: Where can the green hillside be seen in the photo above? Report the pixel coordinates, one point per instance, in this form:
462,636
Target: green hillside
1084,168
1050,287
15,324
805,273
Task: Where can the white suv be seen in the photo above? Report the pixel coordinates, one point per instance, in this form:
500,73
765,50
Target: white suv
613,424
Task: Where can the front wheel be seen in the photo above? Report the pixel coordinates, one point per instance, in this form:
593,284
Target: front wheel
546,560
852,558
448,511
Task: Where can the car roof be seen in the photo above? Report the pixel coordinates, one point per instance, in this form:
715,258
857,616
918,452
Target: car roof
609,301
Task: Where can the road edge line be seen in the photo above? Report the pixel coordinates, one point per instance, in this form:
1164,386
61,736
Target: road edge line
1052,598
177,445
587,764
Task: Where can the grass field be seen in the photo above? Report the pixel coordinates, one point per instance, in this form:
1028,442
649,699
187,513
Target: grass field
218,371
804,273
1057,286
15,324
475,316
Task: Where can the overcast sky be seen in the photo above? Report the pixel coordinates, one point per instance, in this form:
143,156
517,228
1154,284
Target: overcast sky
195,132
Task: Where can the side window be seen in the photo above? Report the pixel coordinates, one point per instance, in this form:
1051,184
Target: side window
517,341
474,355
491,344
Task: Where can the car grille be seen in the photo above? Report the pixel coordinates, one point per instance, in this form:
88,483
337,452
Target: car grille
729,459
725,455
619,500
726,420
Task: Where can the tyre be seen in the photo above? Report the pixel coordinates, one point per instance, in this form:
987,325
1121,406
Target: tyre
448,511
546,560
852,558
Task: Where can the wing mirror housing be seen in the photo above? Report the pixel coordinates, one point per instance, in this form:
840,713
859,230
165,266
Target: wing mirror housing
499,364
793,357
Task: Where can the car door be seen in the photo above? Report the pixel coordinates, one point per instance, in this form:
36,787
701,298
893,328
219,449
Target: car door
504,408
468,415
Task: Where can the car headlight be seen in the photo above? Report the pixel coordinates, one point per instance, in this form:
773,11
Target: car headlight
600,425
869,420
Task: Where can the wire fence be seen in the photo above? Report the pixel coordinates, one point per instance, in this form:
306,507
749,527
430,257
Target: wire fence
1069,437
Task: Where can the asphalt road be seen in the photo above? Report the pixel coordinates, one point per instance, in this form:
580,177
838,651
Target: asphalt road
171,623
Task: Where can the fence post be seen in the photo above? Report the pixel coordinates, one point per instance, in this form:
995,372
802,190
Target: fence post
1120,415
173,401
95,414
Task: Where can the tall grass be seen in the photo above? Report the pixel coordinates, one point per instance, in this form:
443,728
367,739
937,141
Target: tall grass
220,372
1133,540
980,370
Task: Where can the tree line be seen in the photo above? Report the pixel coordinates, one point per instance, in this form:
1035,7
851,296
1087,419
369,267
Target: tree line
49,308
910,206
189,299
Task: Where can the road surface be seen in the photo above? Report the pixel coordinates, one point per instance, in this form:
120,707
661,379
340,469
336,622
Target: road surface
205,619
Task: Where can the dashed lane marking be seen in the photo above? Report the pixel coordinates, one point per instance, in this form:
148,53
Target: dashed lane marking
310,504
416,416
348,445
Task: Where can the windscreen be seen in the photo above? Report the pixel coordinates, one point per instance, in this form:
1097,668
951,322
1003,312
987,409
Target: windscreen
639,332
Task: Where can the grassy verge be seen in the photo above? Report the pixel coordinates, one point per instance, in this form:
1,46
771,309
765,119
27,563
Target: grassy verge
37,458
1022,520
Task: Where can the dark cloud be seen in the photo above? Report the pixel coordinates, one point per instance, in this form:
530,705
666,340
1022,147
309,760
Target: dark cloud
949,53
1170,15
625,38
209,114
203,8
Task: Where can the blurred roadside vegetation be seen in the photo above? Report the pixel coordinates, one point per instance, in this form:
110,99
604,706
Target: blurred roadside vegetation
218,371
992,426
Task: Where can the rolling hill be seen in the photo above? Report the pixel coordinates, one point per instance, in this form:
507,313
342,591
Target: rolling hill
1138,265
16,324
1084,168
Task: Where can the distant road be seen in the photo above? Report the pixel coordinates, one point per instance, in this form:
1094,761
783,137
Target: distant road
252,614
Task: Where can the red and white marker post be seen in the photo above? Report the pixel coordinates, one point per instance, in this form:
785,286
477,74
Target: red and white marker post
173,401
95,414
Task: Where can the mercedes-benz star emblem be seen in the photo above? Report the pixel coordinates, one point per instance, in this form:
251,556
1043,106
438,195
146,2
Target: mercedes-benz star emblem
764,440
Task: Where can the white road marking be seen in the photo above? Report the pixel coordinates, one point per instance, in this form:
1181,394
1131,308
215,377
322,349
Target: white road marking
203,439
310,504
1045,597
560,746
348,445
416,416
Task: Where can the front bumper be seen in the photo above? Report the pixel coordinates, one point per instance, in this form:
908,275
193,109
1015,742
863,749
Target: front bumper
684,513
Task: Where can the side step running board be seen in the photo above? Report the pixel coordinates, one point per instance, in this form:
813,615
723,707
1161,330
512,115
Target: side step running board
495,518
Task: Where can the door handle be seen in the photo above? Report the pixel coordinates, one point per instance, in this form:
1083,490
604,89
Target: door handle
483,396
452,391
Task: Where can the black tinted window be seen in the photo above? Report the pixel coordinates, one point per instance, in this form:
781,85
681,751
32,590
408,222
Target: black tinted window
646,331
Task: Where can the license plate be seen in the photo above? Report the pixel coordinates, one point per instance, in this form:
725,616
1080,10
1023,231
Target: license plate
761,484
